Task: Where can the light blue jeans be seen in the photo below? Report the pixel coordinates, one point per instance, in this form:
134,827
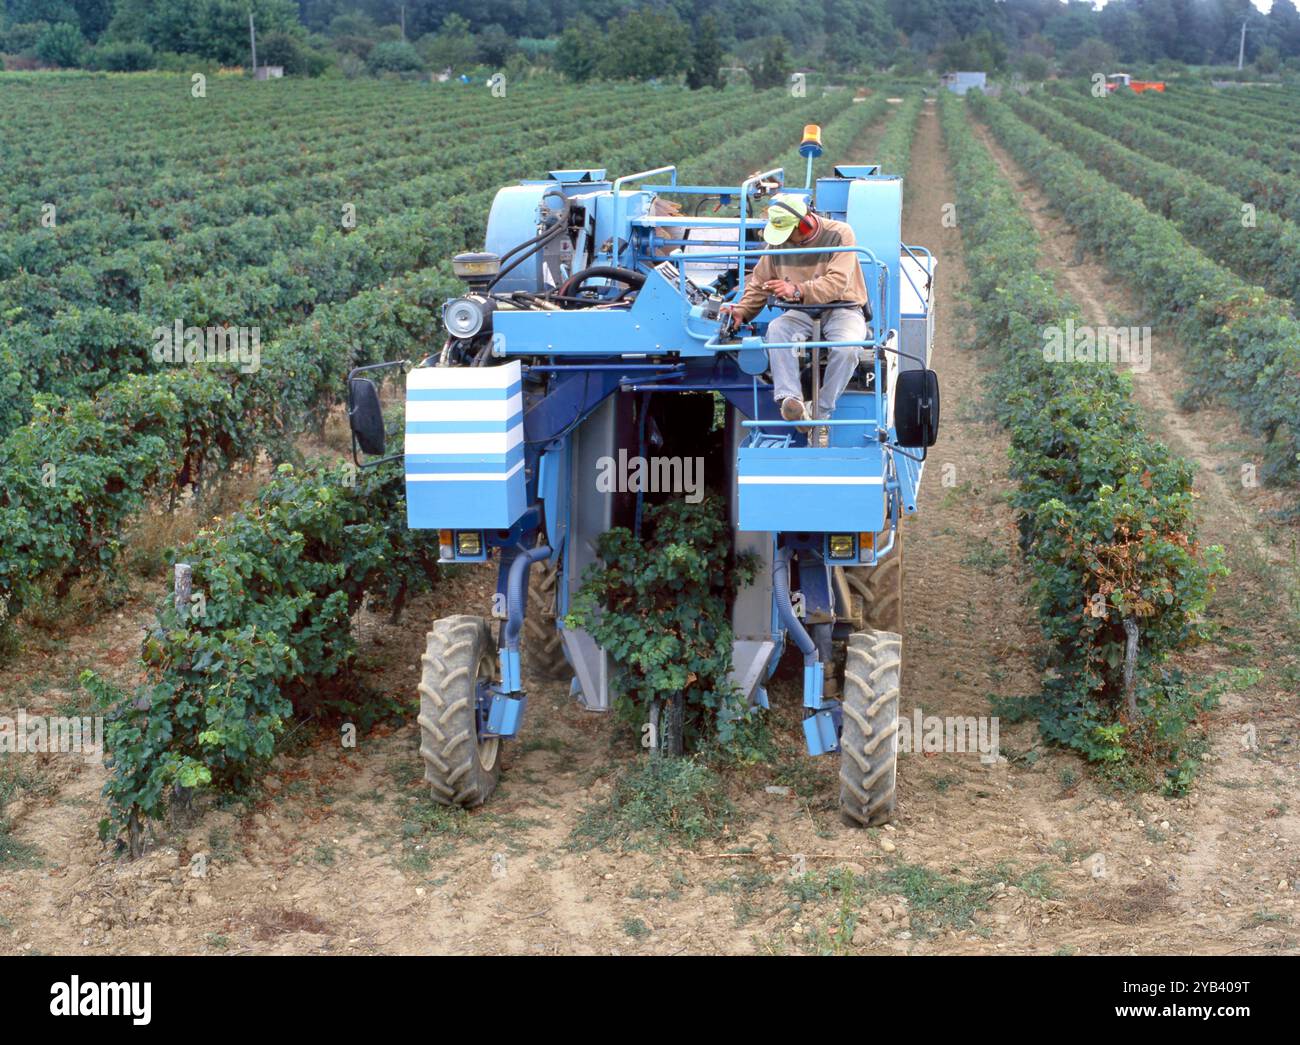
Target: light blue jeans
840,324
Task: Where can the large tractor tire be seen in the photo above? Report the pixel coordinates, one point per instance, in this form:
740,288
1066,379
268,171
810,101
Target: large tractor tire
459,770
869,738
543,647
877,591
875,597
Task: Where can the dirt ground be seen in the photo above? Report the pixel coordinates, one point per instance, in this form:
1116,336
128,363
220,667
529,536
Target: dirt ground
342,852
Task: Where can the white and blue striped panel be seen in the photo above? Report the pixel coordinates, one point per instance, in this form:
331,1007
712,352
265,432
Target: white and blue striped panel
465,447
827,490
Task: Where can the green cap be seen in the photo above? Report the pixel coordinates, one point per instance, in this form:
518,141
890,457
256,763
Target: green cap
782,222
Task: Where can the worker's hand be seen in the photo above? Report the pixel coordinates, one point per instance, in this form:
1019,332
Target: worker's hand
782,288
730,321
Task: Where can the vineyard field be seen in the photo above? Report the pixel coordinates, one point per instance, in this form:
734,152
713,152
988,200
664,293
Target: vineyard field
1103,561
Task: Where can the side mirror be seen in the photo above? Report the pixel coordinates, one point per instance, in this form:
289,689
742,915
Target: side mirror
365,416
916,407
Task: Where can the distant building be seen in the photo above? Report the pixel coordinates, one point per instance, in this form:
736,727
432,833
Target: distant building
960,83
269,72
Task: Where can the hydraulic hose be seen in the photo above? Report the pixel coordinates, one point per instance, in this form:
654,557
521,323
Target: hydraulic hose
630,277
517,591
784,608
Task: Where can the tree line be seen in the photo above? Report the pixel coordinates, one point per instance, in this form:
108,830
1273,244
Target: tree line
621,39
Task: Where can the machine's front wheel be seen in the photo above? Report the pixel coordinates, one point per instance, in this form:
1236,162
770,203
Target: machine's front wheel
460,769
869,738
543,647
878,591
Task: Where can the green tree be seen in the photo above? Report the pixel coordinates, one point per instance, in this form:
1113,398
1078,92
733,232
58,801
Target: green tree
1032,66
21,38
215,29
394,56
981,51
494,46
287,51
317,15
451,47
706,56
1284,27
578,54
772,69
858,33
53,12
1069,27
1268,60
1123,28
61,45
907,63
129,57
1092,56
93,16
645,44
357,23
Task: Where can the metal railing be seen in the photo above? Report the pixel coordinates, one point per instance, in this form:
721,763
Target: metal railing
618,197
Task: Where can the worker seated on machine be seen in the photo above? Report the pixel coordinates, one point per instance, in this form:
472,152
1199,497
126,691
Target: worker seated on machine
806,279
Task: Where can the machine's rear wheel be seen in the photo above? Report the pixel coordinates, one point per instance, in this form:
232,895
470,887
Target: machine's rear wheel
459,769
869,738
543,647
877,591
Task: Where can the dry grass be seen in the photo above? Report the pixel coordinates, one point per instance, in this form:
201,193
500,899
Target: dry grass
1130,904
281,922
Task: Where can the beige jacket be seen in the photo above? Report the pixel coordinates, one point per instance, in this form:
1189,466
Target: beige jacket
822,278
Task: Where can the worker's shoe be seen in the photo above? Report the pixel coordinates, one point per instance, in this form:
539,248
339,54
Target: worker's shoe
793,409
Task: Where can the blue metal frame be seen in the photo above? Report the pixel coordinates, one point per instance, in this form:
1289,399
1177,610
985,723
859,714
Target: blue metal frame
579,355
